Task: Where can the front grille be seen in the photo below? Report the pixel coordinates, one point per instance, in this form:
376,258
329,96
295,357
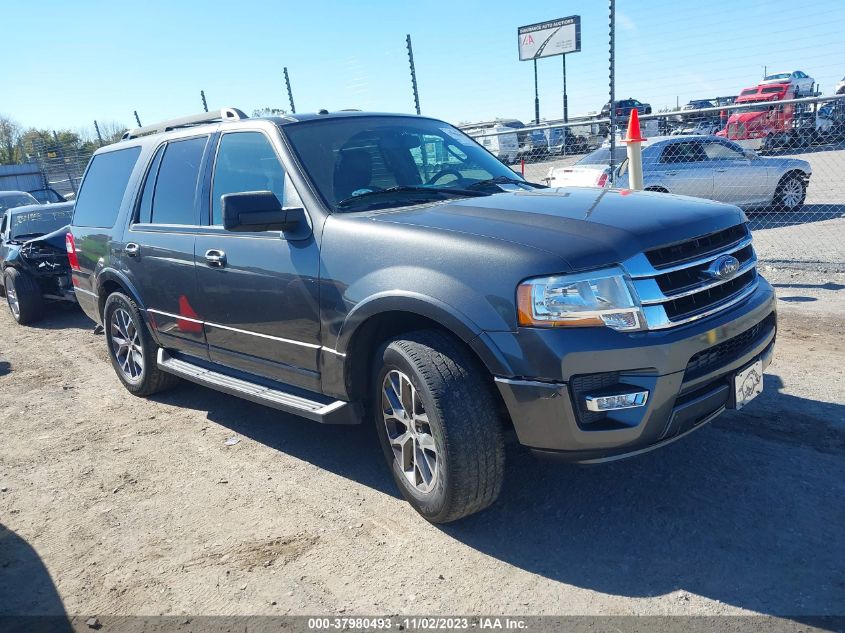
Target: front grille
678,309
675,283
726,351
696,248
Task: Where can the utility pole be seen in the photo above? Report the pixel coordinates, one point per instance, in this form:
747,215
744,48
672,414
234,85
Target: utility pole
97,129
612,21
204,104
536,96
565,104
413,72
290,93
137,118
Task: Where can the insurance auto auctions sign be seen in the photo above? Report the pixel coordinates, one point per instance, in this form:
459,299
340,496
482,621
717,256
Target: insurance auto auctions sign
545,39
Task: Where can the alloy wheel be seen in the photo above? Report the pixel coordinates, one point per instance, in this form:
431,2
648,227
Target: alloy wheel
791,193
409,432
126,345
12,298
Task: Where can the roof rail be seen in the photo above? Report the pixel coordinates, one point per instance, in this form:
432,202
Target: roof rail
224,114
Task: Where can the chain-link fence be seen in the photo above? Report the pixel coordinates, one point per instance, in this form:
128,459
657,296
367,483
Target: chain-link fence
62,165
780,159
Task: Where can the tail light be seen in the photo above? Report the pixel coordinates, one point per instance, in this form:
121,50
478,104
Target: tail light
70,246
602,179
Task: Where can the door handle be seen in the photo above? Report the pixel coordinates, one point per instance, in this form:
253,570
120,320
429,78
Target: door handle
671,173
215,258
721,171
132,249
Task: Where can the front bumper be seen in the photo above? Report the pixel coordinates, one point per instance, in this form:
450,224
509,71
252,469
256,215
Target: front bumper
687,371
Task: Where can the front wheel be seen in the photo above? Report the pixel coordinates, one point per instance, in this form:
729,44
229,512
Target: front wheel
790,193
437,422
131,348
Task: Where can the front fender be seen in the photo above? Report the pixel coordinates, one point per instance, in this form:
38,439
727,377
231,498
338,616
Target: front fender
438,311
339,364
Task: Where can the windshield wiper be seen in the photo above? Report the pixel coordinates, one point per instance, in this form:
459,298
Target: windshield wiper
438,191
502,180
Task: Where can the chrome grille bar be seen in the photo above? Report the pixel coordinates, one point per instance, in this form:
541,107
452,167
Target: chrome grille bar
679,303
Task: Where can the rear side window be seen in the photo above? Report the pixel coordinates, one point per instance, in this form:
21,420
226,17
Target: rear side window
176,184
102,190
145,208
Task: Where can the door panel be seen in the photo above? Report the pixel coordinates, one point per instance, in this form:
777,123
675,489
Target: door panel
163,271
261,307
158,249
259,291
738,180
683,167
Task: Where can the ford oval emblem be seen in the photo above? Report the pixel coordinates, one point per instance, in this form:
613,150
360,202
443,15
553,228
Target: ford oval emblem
723,267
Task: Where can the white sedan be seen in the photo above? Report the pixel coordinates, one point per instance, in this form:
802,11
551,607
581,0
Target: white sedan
802,81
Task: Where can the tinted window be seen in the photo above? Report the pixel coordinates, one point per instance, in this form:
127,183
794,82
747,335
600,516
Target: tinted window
102,190
245,162
12,200
145,208
721,151
176,185
683,153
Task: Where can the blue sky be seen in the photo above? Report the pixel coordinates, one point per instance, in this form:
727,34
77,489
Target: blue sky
74,62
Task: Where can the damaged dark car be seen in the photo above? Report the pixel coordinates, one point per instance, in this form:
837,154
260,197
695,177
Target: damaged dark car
33,259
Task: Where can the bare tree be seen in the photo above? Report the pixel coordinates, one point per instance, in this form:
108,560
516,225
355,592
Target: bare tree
10,137
111,131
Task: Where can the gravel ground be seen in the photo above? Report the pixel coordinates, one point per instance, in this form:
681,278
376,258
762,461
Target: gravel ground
813,235
110,504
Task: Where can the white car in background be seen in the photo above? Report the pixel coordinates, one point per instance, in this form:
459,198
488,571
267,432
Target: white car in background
702,167
590,171
802,81
840,87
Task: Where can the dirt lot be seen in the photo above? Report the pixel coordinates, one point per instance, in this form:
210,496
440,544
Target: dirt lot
115,505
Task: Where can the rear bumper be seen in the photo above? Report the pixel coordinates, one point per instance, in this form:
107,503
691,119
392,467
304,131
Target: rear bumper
688,373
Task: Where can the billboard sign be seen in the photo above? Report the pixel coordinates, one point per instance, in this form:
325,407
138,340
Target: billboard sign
546,39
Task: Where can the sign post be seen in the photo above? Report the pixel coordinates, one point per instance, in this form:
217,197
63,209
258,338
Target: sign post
547,39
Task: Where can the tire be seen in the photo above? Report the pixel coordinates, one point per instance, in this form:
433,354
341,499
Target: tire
454,393
135,361
656,189
790,193
23,295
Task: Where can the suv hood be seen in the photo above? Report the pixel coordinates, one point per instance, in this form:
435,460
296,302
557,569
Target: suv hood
587,227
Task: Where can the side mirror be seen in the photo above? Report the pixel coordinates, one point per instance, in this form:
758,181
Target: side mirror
253,211
749,154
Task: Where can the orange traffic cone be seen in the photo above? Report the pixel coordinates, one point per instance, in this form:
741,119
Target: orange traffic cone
634,134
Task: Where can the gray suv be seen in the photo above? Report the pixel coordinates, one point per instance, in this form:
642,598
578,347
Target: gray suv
353,267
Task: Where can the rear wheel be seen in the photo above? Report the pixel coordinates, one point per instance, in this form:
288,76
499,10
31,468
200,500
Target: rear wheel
23,294
790,193
437,421
131,348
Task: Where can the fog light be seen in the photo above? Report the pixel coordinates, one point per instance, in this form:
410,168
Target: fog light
611,402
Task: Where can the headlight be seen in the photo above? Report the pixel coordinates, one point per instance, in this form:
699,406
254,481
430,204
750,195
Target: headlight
597,298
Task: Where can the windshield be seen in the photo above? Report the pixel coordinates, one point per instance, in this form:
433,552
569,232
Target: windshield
12,200
764,106
391,161
779,76
39,222
602,156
